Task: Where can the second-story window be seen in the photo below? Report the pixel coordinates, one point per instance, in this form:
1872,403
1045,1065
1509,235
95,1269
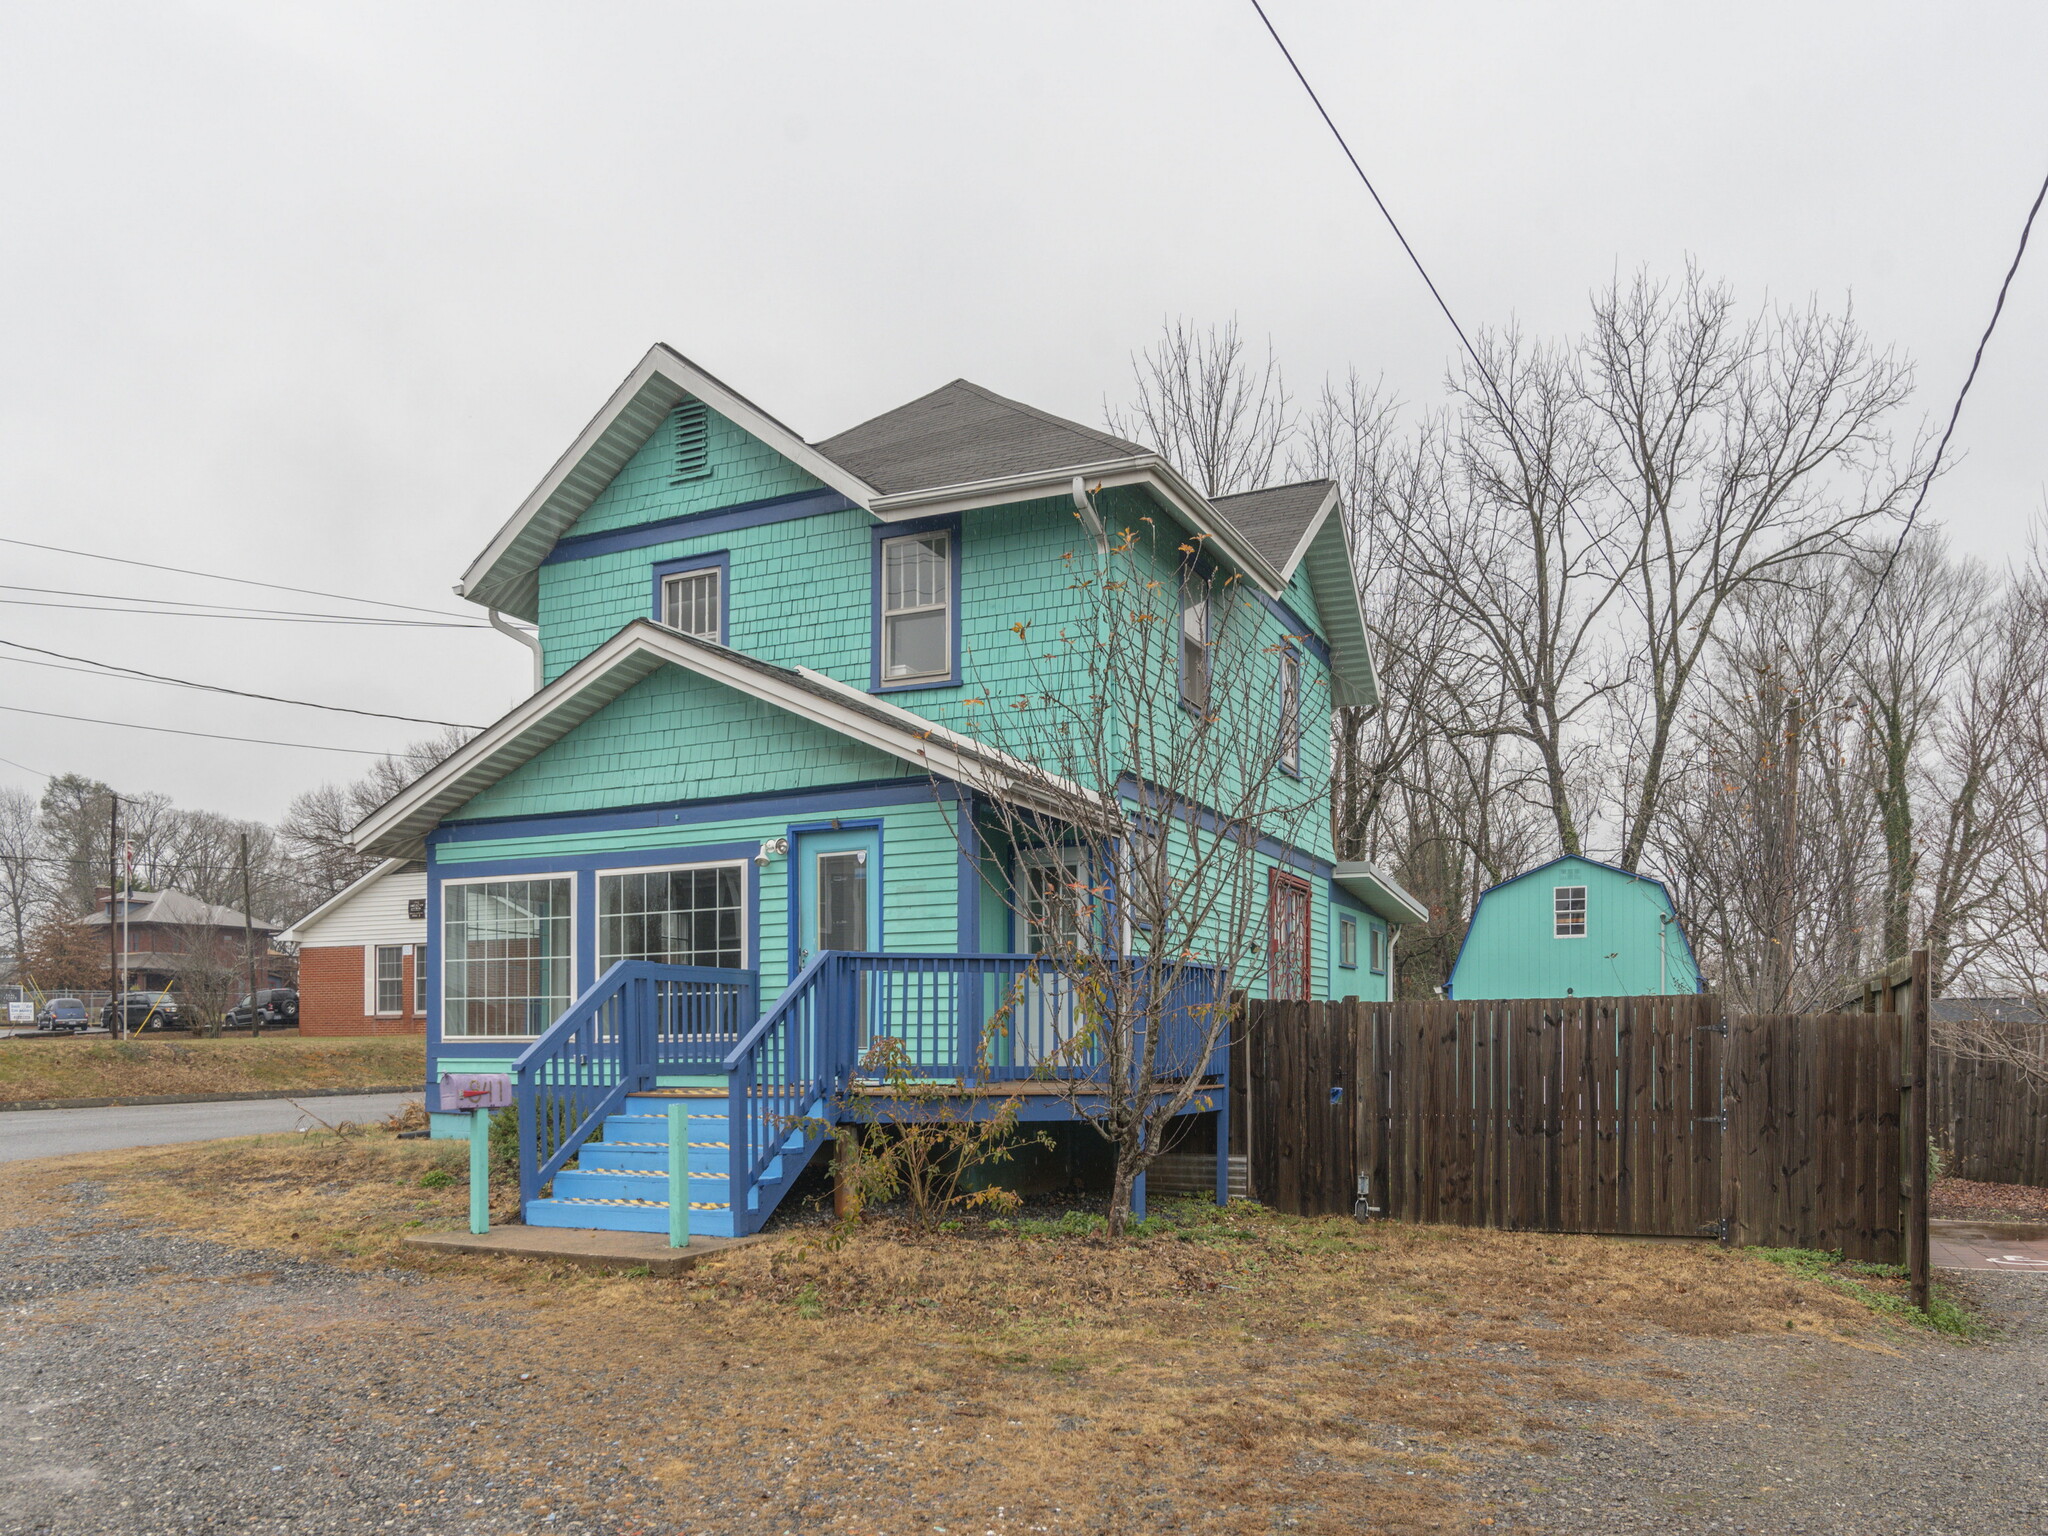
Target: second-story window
1194,640
917,608
1290,714
690,602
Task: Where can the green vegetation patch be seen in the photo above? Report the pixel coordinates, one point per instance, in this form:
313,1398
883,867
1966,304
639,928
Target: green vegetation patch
1888,1298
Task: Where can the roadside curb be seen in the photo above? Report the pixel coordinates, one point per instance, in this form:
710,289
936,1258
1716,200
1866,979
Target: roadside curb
206,1098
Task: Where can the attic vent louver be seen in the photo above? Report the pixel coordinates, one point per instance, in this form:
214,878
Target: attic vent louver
693,440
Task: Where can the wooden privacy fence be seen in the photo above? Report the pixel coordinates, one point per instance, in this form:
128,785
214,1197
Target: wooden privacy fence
1990,1116
1650,1116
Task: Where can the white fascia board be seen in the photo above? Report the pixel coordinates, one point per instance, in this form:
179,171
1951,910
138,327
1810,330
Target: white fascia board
1380,892
398,827
340,898
662,379
1315,526
1149,470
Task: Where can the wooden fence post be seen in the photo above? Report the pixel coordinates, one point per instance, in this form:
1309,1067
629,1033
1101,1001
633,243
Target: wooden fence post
1913,1129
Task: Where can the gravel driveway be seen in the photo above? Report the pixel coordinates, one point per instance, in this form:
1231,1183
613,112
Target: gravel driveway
1799,1435
153,1385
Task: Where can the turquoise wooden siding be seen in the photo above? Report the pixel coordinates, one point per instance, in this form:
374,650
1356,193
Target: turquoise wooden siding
742,468
678,736
1511,948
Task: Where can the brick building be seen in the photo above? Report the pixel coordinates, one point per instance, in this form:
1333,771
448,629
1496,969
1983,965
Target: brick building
362,954
164,937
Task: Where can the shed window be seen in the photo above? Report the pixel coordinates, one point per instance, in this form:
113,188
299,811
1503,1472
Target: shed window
1571,911
390,978
917,607
693,441
1347,943
690,602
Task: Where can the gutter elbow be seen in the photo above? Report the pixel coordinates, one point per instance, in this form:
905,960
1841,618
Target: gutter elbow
531,642
1084,508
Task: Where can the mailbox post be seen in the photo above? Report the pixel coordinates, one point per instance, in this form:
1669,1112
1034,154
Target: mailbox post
678,1175
476,1094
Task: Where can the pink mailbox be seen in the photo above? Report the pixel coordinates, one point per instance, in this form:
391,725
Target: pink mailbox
474,1090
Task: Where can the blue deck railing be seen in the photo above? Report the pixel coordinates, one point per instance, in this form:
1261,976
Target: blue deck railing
639,1021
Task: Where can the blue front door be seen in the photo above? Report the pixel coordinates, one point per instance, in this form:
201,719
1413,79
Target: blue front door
838,892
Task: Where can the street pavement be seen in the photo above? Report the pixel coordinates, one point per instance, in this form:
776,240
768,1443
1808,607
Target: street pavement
53,1132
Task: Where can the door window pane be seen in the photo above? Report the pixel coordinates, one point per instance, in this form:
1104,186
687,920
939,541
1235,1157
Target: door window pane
506,956
917,607
843,901
673,917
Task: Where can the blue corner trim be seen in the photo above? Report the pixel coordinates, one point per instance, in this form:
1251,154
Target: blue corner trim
949,525
718,560
745,514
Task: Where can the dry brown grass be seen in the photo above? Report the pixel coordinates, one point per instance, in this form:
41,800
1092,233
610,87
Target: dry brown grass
33,1069
1239,1371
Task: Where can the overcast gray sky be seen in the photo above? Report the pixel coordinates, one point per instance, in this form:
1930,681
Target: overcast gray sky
316,293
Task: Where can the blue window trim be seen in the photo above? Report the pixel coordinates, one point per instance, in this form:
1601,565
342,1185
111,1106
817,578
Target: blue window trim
719,560
949,525
1289,653
1347,923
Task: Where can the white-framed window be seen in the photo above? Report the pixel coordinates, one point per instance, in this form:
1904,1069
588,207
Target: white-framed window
693,914
1058,906
507,955
1378,937
1570,911
419,981
1347,943
917,607
1290,713
691,601
387,979
1194,640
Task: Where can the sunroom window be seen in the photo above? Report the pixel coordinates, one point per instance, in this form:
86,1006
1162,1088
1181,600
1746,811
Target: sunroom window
917,608
673,916
506,948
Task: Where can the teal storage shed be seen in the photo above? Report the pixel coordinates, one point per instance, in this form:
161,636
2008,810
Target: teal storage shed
1575,928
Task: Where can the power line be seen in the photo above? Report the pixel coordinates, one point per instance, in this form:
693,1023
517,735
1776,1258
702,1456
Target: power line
167,730
267,618
1955,412
181,682
176,570
1387,214
24,767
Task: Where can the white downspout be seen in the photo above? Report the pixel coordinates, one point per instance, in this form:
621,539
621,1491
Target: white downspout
530,641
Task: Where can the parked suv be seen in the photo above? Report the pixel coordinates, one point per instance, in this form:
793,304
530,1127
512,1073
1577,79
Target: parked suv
277,1006
145,1010
64,1016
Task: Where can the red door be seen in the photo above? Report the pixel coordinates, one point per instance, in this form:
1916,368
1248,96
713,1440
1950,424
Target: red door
1287,928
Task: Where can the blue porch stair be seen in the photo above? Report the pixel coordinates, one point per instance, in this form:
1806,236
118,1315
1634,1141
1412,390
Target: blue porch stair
620,1182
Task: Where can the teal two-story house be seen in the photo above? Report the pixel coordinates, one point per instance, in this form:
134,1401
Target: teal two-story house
737,822
1575,927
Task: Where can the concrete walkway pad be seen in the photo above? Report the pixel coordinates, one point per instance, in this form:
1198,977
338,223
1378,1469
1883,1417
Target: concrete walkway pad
2014,1247
587,1250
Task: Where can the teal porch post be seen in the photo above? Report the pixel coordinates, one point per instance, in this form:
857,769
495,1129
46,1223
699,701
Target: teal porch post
678,1175
479,1171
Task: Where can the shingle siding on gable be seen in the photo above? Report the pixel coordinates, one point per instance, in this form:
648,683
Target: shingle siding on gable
676,736
743,468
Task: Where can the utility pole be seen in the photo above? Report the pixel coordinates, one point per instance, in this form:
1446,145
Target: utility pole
249,946
114,957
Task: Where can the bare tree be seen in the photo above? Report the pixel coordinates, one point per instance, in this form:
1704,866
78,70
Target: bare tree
1735,453
1131,837
314,836
1218,415
21,885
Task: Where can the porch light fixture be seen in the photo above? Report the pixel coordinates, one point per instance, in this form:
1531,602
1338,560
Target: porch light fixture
773,848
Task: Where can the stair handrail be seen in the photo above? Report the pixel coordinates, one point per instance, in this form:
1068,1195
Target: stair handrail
753,1037
811,1059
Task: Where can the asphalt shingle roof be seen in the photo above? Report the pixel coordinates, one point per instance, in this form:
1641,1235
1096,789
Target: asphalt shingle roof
1274,519
177,907
961,432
